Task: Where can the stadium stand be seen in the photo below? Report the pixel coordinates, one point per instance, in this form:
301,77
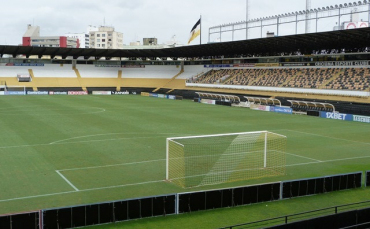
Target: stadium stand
311,78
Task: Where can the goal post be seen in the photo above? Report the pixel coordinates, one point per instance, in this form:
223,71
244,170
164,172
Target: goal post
212,159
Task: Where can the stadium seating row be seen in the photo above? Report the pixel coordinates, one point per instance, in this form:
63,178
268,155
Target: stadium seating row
313,78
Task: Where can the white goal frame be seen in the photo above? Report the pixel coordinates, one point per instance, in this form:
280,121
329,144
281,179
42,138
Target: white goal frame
265,149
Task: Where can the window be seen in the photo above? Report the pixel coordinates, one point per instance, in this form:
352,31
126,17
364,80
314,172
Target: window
103,35
109,39
98,45
98,35
98,40
102,40
103,45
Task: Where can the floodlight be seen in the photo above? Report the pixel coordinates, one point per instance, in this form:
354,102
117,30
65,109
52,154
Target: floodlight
336,6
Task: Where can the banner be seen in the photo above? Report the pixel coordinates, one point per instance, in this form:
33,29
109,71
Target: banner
171,97
101,92
358,118
145,94
77,93
283,110
133,66
208,101
218,65
107,66
2,93
120,93
162,96
58,93
268,65
260,107
37,93
24,64
153,95
337,116
342,63
14,93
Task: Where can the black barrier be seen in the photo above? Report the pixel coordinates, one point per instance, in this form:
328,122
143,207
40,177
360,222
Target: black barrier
20,221
367,183
206,200
313,113
103,213
319,185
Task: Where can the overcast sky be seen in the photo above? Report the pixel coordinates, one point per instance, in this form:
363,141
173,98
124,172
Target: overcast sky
137,19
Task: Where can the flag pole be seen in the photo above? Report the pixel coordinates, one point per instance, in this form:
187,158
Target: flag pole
200,42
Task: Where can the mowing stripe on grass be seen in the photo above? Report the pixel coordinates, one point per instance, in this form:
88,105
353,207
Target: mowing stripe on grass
342,139
64,178
113,165
84,190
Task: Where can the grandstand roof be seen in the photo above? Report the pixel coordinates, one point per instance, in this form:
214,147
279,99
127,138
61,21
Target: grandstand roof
354,40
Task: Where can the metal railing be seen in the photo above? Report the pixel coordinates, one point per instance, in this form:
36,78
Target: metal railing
301,216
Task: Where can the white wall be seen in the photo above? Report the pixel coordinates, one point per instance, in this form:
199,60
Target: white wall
54,70
90,71
152,71
11,71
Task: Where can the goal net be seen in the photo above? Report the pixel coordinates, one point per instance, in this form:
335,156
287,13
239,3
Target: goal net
213,159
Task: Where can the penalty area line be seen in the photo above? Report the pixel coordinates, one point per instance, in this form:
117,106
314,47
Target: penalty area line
64,178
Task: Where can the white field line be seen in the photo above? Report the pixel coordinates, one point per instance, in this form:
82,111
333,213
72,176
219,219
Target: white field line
157,181
75,142
114,165
96,135
303,157
342,139
64,178
63,142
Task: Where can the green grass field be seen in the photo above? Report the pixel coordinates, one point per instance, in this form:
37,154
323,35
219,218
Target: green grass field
58,151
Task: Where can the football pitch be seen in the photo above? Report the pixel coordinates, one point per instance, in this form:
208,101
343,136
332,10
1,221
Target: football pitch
58,151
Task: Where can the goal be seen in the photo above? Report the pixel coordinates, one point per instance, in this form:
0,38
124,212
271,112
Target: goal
213,159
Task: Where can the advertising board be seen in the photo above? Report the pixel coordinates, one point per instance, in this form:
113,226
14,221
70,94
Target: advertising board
162,96
101,92
37,93
337,116
58,93
359,118
283,110
120,92
259,107
153,95
208,101
14,93
77,93
171,97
